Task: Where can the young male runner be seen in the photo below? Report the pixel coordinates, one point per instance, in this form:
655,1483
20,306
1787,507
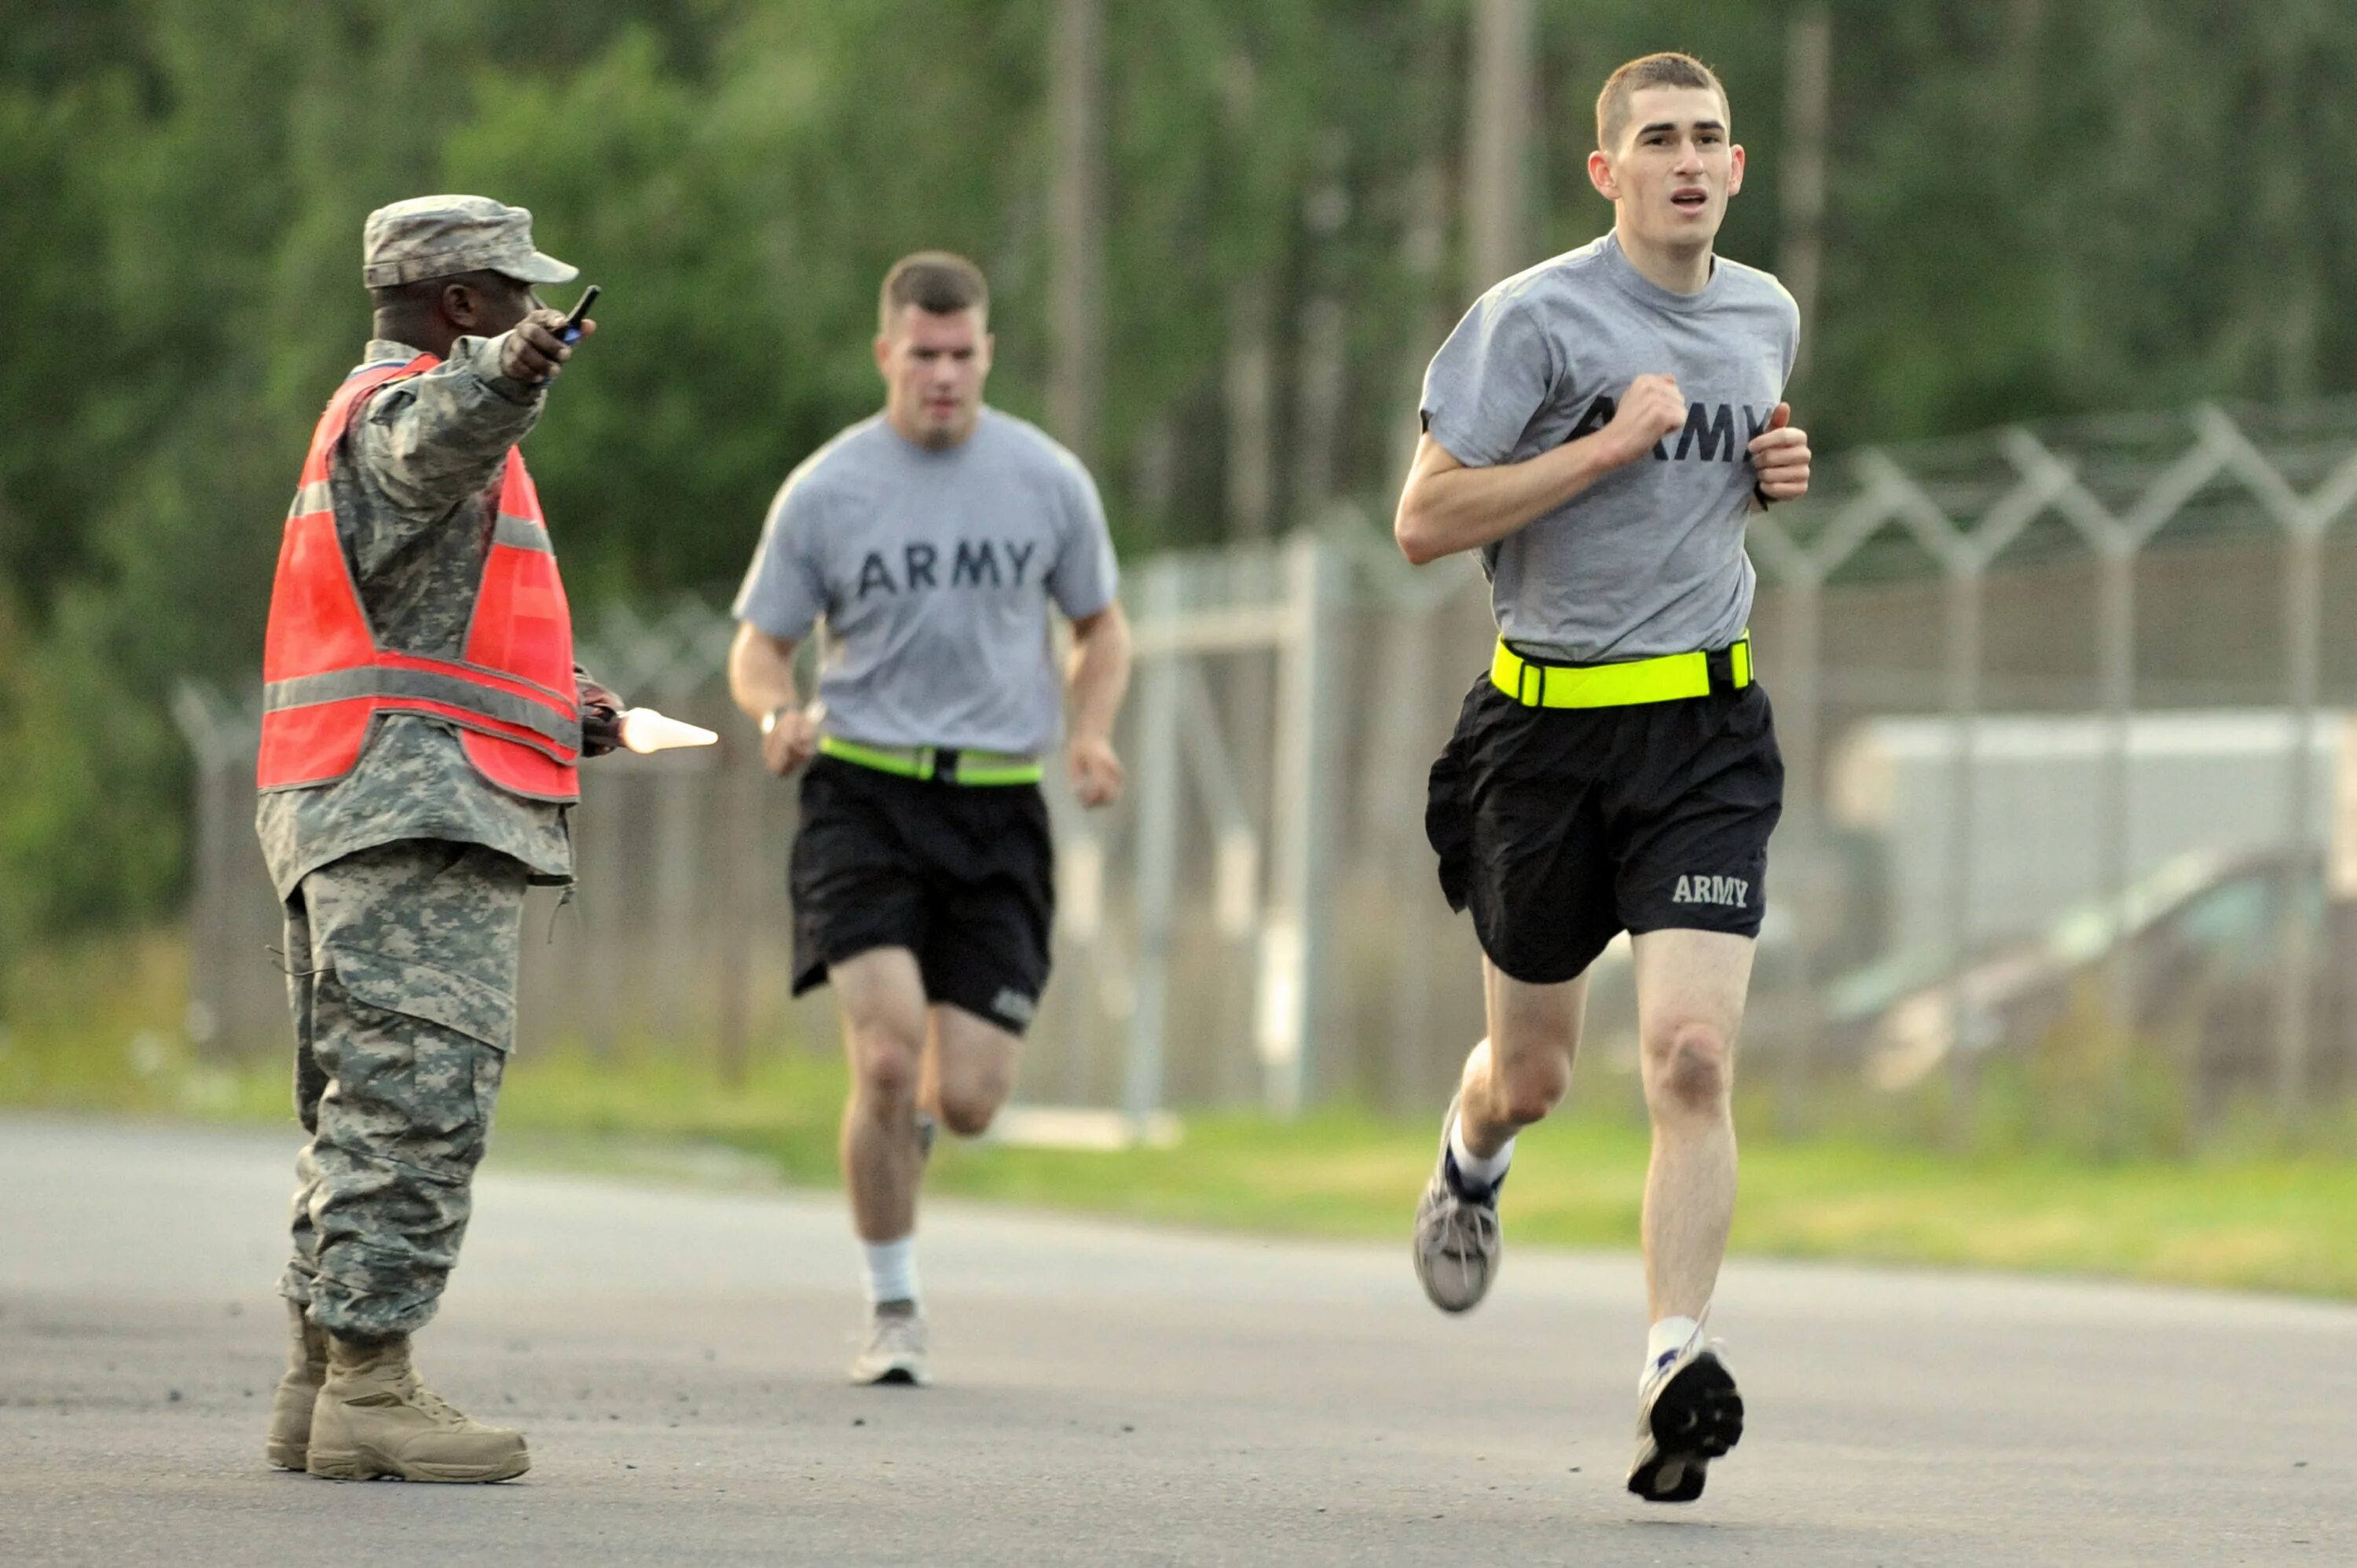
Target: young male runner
930,540
1598,427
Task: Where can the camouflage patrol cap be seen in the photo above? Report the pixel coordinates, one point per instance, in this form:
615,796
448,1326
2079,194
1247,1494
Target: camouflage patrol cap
437,236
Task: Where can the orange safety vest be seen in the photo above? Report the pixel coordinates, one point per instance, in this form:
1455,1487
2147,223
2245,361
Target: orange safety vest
325,676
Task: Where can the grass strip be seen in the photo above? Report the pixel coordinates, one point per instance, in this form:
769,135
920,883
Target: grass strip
2274,1221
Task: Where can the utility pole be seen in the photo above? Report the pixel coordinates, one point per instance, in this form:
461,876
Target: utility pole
1434,300
1324,326
1424,243
1248,391
1076,208
1248,376
1498,150
1808,102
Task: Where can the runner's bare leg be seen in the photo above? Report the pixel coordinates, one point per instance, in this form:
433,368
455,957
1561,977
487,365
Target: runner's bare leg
884,1026
969,1069
1524,1069
1690,994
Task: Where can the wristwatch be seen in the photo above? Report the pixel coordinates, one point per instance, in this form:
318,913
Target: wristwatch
769,720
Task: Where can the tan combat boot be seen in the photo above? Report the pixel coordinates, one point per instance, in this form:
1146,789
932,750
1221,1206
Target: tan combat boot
374,1419
290,1408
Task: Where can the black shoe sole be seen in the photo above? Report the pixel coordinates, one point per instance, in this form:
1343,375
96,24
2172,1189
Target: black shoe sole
1695,1419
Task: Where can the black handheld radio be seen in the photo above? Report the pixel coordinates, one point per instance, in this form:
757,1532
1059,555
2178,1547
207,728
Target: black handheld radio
571,332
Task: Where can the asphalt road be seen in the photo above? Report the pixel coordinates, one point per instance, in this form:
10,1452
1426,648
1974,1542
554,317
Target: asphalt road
1114,1395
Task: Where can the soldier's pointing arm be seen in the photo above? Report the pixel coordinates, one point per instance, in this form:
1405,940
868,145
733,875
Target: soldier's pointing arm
428,441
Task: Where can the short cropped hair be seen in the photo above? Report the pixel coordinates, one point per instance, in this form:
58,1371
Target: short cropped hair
423,291
1648,71
934,281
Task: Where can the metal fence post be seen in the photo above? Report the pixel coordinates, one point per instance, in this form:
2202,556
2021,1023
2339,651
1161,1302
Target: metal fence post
210,981
2303,628
1081,955
1803,694
739,783
1963,666
1800,702
604,941
2115,828
237,1004
1296,937
1396,823
1159,803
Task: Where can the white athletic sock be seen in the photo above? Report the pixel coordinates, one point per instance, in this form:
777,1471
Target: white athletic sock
1477,1172
891,1270
1667,1338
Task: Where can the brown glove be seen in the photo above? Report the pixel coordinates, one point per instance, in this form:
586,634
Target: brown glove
601,715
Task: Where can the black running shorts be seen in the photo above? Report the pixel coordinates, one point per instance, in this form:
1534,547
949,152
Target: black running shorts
960,875
1559,827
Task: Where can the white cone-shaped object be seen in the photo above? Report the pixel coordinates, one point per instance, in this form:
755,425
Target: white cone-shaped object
645,730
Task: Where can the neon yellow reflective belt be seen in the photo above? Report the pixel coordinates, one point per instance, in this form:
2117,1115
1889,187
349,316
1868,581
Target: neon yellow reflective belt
1668,679
994,767
923,761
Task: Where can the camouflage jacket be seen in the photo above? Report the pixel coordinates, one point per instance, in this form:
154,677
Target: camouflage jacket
416,489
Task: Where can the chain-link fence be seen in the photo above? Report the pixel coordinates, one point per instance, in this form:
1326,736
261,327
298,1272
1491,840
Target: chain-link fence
2060,710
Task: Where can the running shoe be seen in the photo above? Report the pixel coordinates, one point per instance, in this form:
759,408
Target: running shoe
895,1349
1457,1235
1688,1414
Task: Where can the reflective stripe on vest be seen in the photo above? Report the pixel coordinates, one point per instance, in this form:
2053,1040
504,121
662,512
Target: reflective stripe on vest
449,689
326,677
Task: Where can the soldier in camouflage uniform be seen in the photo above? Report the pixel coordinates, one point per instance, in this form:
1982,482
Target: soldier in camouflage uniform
404,879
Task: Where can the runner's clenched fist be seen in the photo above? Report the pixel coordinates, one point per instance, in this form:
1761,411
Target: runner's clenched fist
1780,455
1651,408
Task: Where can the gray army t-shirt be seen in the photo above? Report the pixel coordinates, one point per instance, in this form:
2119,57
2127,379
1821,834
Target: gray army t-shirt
932,571
1648,559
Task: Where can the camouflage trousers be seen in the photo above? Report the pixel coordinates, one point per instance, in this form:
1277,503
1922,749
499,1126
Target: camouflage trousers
401,969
